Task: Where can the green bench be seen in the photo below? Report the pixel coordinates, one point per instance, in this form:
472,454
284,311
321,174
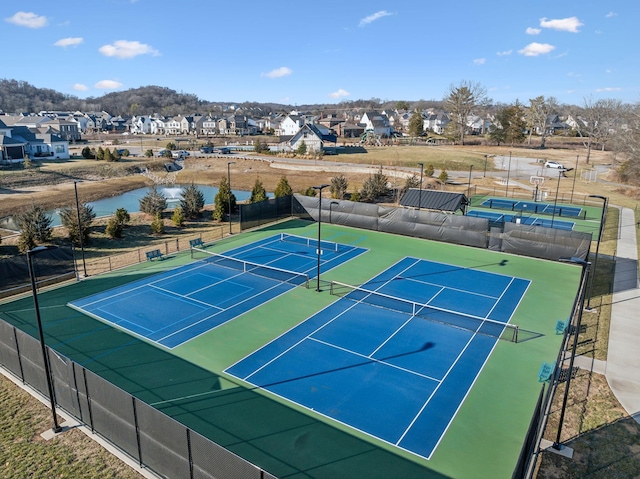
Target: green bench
195,243
151,255
545,372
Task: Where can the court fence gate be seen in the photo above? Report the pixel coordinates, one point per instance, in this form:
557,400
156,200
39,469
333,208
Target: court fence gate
156,441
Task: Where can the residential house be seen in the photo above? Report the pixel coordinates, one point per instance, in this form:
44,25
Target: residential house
19,140
378,123
435,121
314,139
141,125
291,124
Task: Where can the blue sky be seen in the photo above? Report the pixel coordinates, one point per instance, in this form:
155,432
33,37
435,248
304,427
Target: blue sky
325,52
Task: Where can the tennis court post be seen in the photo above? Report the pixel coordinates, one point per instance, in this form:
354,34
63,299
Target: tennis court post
229,163
319,189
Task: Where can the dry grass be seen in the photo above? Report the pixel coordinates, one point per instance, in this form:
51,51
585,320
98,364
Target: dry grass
24,454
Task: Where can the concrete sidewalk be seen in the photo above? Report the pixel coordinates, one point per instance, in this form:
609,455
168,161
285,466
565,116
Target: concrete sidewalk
623,360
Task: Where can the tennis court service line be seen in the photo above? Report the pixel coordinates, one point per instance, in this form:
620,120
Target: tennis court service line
218,312
371,359
186,297
452,289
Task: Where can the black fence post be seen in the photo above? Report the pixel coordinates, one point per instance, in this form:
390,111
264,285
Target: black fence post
137,426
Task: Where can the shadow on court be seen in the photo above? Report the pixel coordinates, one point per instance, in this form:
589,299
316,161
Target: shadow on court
279,439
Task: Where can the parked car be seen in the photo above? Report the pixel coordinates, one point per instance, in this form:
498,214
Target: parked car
180,154
206,149
554,164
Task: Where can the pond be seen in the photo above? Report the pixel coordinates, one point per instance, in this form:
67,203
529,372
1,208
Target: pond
131,202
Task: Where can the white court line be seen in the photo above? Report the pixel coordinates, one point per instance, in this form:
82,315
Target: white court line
374,360
499,298
221,311
436,389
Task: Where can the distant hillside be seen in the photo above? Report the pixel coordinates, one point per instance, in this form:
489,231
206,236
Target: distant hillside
19,96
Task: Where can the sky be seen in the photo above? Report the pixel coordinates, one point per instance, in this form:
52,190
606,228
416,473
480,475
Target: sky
300,53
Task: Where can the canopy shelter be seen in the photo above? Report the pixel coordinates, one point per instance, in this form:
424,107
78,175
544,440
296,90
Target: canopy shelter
444,201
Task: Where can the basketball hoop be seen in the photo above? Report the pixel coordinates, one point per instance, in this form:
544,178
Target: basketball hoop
536,180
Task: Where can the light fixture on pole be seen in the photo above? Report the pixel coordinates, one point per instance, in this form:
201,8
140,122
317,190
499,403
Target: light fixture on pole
229,163
330,205
80,235
595,261
45,358
319,190
421,165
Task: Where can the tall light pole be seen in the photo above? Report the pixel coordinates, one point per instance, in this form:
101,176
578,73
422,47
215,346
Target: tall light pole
595,261
319,189
45,358
470,168
574,178
508,174
229,163
81,239
555,201
421,165
484,173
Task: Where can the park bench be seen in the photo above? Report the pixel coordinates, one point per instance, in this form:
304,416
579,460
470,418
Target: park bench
195,243
151,255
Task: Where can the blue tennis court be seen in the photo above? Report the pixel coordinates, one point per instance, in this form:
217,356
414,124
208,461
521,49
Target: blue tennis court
525,220
175,306
532,207
396,357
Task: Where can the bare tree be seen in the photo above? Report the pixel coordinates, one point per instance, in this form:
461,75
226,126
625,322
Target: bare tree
597,123
461,100
538,117
627,142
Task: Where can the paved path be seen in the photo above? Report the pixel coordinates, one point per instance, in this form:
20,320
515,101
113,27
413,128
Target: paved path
623,361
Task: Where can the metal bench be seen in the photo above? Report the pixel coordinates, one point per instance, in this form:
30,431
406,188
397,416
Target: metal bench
151,255
545,372
194,243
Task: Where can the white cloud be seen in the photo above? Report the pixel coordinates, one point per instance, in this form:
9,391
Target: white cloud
108,85
278,73
479,61
127,49
374,17
69,42
339,93
535,49
504,53
599,90
570,24
611,14
28,19
80,87
533,31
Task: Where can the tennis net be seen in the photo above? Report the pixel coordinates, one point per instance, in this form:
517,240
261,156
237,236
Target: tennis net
311,243
271,272
489,327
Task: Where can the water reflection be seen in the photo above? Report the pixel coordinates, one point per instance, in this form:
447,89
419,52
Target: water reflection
131,202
